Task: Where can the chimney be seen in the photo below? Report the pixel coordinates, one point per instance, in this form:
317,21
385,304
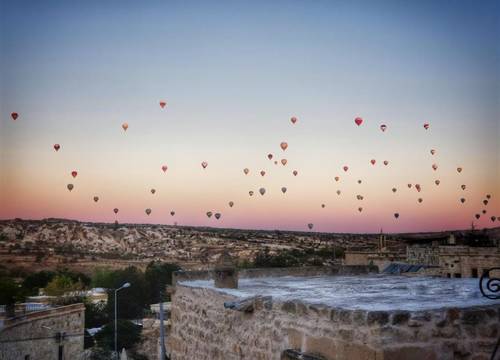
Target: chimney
225,272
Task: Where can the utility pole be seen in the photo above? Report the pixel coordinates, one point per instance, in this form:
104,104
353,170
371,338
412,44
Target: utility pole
162,330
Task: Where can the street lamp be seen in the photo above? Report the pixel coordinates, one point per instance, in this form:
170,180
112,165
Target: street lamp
124,286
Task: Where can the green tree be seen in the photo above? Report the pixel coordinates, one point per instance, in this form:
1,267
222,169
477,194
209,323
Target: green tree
37,280
158,276
62,284
129,334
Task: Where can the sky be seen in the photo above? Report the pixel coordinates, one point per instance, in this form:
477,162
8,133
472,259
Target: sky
233,73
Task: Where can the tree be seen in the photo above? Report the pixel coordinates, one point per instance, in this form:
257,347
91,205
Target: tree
10,292
37,280
62,284
129,334
158,276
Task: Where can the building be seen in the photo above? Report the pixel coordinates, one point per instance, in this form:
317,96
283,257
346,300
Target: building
271,319
51,334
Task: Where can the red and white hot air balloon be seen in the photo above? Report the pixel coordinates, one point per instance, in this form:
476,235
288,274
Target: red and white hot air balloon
74,173
426,126
358,121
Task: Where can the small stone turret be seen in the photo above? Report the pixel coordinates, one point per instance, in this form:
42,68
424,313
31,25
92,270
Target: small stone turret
225,272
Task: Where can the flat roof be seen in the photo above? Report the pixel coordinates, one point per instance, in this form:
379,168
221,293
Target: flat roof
368,292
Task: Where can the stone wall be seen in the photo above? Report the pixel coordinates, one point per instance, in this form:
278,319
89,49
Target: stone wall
34,334
203,329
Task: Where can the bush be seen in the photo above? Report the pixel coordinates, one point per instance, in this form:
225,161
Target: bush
129,334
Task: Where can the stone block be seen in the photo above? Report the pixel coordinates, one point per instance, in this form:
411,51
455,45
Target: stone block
377,318
400,317
321,346
411,353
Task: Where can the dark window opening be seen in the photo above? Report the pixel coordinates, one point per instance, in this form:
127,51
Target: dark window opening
27,357
474,273
448,275
458,275
61,352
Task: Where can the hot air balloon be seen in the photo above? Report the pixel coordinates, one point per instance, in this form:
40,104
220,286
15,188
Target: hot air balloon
383,127
345,168
148,211
323,206
153,191
358,121
433,151
209,214
283,189
484,211
360,209
338,192
217,216
74,173
293,119
336,178
57,147
96,198
409,186
14,115
359,181
434,167
394,190
493,218
295,172
262,173
70,187
283,146
275,162
485,202
373,161
437,182
204,164
488,196
463,187
164,168
172,213
163,103
250,193
396,215
459,169
420,200
246,171
115,210
477,216
125,126
231,204
270,156
284,161
462,200
359,197
262,191
310,226
426,126
386,162
418,187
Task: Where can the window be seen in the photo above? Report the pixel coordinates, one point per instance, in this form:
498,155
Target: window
474,272
27,357
448,275
458,275
61,352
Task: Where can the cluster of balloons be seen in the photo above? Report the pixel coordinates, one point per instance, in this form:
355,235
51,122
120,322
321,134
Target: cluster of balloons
284,146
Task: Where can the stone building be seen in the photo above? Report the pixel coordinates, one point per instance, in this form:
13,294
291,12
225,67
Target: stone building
218,324
53,334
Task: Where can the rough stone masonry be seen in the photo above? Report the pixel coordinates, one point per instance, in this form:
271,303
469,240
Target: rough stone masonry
203,329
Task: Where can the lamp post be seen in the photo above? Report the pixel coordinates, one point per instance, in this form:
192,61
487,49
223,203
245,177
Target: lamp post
126,285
